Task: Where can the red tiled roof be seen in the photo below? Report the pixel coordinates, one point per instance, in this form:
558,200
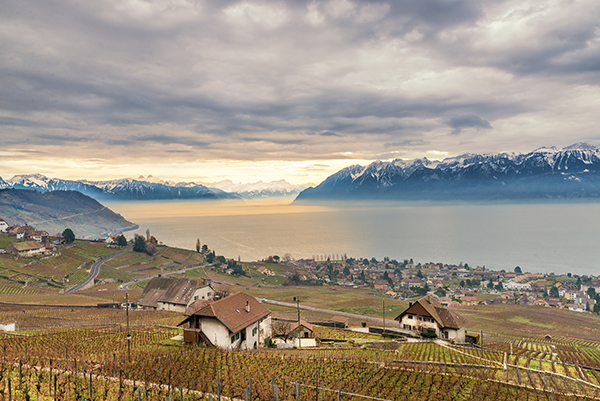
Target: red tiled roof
231,311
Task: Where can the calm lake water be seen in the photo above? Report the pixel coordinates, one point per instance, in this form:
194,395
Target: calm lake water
551,237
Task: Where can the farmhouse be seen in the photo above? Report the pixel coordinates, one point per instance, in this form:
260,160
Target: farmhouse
238,321
3,226
427,315
174,294
25,249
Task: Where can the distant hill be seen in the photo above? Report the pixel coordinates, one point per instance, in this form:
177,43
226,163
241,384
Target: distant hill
54,211
116,190
546,173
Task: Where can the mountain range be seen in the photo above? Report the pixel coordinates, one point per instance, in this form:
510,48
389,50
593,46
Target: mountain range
53,211
151,188
572,172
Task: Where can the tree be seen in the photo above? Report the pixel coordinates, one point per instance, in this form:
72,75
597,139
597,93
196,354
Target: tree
139,244
210,258
365,261
490,284
440,292
518,270
420,274
198,247
554,292
147,234
498,287
462,283
373,260
122,241
591,291
68,235
204,248
276,258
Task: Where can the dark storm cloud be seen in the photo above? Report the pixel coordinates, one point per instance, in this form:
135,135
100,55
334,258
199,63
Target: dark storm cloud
471,121
257,77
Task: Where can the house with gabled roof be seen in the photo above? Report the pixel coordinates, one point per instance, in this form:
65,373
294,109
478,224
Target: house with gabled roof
3,226
427,315
25,249
238,321
174,294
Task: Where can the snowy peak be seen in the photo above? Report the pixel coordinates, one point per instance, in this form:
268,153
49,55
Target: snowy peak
580,146
571,172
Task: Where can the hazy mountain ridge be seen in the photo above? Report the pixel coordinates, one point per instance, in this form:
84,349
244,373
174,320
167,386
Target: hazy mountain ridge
152,188
258,189
53,211
546,173
122,189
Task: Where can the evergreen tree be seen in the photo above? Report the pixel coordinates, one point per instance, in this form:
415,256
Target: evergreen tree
122,241
139,244
68,235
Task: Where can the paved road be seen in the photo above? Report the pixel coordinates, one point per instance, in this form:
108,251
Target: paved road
94,271
377,321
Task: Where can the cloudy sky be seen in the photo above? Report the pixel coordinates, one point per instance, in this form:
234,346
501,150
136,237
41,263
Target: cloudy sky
202,90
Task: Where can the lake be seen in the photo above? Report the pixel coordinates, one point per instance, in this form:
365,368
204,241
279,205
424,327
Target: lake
543,237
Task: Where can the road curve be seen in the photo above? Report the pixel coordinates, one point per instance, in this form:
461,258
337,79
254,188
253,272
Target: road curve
125,286
94,271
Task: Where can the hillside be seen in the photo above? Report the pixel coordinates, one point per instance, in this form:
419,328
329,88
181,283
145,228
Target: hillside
56,210
546,173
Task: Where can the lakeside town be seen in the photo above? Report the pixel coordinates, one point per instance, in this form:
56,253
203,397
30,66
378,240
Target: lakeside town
453,285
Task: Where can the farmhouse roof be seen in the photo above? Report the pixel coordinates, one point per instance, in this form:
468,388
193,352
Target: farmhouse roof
235,311
302,323
26,246
169,290
442,315
196,306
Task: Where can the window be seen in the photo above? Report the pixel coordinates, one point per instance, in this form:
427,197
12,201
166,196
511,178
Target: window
233,338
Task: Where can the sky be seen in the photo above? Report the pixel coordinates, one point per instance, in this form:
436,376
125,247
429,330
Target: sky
264,90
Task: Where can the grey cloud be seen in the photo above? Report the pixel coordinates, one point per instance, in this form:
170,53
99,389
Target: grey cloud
213,80
467,121
406,143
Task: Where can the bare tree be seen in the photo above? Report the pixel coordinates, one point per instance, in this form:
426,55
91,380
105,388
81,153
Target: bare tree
280,329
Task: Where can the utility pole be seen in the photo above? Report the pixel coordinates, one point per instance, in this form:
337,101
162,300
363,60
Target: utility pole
128,334
383,309
297,299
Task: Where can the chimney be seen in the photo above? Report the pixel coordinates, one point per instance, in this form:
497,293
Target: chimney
205,281
247,306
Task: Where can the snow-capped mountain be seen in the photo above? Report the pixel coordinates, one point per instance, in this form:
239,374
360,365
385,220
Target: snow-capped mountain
123,189
258,189
571,172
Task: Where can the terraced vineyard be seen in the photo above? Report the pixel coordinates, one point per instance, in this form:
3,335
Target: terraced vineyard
84,350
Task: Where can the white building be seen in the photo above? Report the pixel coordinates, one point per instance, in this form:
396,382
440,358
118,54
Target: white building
3,226
238,321
427,315
512,285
